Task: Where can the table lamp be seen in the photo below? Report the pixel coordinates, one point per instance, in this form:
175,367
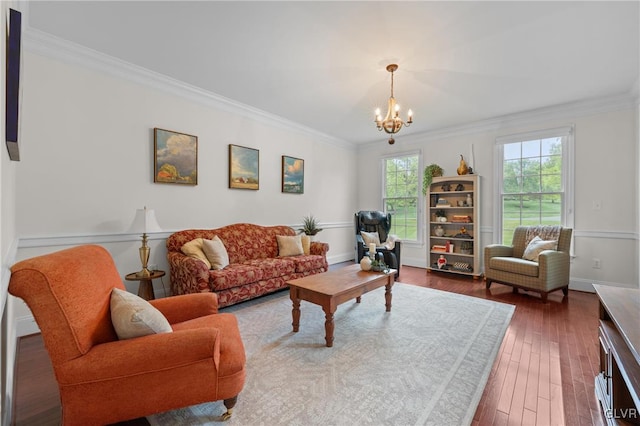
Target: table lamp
144,222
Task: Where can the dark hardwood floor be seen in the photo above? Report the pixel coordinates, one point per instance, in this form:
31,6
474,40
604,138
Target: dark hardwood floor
543,374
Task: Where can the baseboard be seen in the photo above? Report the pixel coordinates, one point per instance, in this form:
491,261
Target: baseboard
581,284
418,262
339,258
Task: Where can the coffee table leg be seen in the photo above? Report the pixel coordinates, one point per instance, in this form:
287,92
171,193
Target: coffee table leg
295,313
387,295
358,299
328,327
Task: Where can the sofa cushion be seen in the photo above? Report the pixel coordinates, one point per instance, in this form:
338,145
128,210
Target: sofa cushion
274,267
247,242
194,249
289,245
536,246
132,316
234,275
308,263
216,253
514,265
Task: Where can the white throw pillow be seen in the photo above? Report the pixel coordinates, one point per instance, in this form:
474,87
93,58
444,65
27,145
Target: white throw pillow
132,316
370,237
536,246
194,249
289,245
216,252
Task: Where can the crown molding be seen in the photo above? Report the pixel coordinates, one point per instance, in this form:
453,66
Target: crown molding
47,45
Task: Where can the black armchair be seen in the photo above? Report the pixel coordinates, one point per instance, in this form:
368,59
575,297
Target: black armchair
380,222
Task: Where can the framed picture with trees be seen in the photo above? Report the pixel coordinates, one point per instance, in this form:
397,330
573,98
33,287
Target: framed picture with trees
175,157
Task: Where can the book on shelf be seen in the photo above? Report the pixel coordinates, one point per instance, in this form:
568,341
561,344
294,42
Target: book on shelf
459,218
437,247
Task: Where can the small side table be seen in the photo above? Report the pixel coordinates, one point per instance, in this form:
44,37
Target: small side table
145,290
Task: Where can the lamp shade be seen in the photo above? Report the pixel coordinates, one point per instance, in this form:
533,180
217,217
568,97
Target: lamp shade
144,222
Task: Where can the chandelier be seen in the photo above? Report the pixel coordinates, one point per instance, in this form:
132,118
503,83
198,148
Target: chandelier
392,122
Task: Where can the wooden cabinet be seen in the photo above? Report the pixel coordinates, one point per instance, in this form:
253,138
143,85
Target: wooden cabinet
617,384
453,220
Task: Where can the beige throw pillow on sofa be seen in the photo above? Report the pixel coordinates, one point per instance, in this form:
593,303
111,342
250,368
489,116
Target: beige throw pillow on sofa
289,245
306,244
216,253
132,316
536,246
194,249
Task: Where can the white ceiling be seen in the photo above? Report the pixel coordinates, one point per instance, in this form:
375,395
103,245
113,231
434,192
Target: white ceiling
322,64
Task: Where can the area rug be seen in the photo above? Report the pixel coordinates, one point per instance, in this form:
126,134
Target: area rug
424,363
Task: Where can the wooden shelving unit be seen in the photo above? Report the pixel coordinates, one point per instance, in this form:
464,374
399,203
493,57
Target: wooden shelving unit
457,198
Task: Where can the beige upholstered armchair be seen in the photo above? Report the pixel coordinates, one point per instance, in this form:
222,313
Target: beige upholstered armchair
542,270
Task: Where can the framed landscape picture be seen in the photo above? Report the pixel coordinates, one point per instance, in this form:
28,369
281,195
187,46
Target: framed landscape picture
292,175
244,167
175,157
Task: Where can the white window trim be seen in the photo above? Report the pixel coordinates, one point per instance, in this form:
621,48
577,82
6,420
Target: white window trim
420,207
568,173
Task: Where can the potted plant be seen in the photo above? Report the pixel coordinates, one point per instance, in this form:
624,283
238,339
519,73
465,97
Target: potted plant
378,266
431,171
441,215
310,226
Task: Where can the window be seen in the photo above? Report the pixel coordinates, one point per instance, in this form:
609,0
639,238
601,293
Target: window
400,194
534,177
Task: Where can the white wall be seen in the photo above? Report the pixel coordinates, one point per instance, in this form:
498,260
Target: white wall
606,148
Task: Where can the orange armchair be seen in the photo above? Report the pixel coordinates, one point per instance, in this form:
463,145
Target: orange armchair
105,380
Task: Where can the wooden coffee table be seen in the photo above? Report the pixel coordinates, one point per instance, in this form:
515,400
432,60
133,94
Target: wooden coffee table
330,289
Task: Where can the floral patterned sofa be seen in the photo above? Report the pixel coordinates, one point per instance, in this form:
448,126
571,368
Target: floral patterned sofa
254,266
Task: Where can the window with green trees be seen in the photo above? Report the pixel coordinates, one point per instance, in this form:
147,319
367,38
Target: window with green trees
534,181
400,194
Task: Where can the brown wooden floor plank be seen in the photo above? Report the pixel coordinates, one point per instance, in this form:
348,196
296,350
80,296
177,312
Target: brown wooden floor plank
506,393
517,401
543,413
533,381
556,405
528,418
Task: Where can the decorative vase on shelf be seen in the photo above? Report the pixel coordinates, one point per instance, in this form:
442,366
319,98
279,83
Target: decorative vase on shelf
441,261
365,263
462,169
469,200
438,231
